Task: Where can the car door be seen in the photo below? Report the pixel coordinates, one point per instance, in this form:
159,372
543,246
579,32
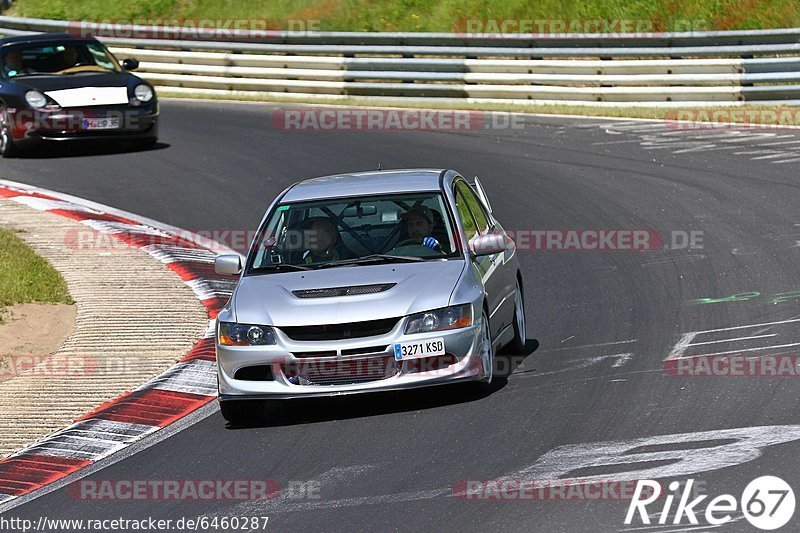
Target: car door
475,221
510,265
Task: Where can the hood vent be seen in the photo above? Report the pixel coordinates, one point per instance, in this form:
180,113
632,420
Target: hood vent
353,290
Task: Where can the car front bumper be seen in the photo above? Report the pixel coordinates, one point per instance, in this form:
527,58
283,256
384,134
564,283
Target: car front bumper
462,346
34,127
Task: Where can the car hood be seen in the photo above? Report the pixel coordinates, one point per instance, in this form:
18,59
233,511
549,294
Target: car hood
58,82
268,298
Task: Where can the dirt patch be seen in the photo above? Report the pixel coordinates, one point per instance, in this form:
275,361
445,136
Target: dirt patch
35,328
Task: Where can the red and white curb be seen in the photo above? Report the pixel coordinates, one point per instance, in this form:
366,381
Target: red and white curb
183,388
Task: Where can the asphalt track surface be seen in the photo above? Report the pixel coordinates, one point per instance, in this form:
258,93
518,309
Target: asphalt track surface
390,462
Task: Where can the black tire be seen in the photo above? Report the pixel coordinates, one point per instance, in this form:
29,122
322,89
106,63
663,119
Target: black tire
241,411
7,146
517,344
487,332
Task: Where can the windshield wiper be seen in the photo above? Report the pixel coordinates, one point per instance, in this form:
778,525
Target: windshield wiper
374,258
279,266
85,72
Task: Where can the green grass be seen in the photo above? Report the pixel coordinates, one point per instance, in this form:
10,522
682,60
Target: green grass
25,277
432,15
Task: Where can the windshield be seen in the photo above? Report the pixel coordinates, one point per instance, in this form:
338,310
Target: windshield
347,231
54,58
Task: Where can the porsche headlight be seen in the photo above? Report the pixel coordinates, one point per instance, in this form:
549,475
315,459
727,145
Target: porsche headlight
232,334
143,93
35,99
457,316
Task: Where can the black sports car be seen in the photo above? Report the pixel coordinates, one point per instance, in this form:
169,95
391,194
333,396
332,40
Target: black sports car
59,87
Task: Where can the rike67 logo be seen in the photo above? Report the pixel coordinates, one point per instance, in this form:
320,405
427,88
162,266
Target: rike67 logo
767,503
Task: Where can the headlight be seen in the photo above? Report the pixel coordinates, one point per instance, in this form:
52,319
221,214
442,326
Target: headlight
35,99
143,93
458,316
230,334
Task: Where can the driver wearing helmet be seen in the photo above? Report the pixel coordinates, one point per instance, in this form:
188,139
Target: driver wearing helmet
323,241
420,224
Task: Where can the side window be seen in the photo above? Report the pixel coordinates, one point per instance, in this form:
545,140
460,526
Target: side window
465,215
474,206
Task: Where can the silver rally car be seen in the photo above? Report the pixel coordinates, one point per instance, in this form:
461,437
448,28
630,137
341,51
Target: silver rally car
368,282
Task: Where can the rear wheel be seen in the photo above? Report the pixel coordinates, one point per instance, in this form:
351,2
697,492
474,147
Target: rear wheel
7,146
241,411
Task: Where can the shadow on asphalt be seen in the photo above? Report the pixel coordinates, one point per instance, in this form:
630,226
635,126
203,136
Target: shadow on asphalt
84,149
276,413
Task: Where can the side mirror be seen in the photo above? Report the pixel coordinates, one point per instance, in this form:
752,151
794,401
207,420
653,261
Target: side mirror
228,265
130,63
488,244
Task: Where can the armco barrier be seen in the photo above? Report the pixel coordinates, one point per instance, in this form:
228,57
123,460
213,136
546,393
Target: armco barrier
662,69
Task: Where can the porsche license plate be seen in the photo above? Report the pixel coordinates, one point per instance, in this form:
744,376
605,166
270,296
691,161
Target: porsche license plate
419,349
101,123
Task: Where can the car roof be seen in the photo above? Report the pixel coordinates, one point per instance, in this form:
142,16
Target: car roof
366,183
44,37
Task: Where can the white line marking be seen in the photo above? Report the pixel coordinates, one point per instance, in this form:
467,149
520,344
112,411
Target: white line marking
586,346
764,348
585,362
734,339
793,160
789,321
622,359
773,156
682,345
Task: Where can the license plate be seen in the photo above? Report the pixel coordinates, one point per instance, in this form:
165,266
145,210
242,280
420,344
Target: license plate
101,123
419,349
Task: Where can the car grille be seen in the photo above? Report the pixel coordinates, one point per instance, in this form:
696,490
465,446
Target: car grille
365,350
354,290
324,353
341,371
331,332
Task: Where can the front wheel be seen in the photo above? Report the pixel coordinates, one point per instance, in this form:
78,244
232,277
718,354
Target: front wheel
7,146
517,344
487,351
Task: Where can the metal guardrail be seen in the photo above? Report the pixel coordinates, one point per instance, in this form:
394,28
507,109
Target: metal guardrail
665,69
